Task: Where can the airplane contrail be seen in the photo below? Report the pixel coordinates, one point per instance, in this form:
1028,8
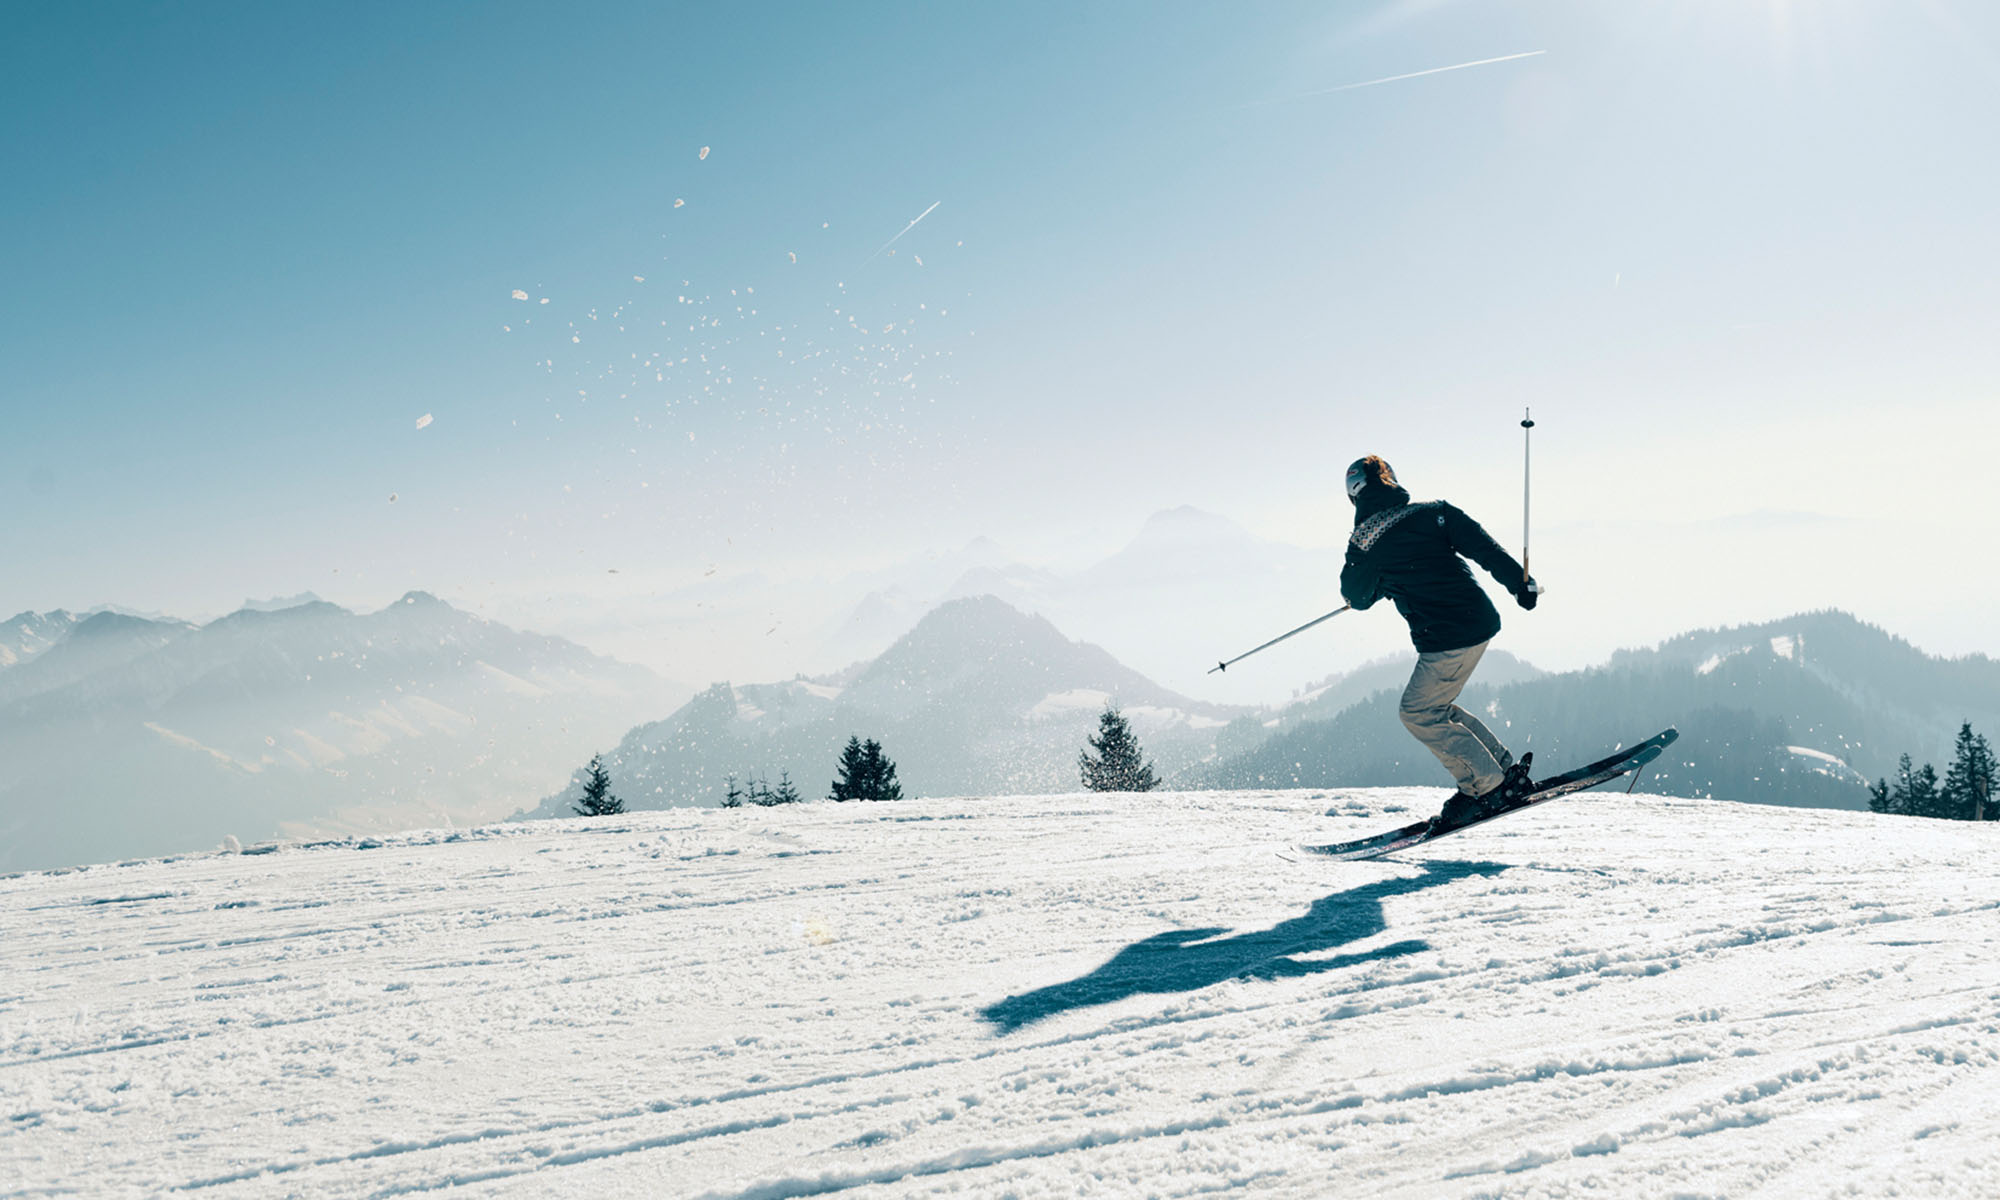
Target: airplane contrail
912,225
1482,62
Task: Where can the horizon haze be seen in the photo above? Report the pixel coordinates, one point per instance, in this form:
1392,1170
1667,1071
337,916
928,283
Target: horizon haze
566,321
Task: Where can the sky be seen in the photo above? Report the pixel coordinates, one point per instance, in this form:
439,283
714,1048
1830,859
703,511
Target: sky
553,312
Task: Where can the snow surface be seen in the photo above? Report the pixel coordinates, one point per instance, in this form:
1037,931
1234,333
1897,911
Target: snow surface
1044,996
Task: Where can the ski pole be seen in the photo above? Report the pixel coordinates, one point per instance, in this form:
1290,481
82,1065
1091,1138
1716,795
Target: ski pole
1527,428
1224,666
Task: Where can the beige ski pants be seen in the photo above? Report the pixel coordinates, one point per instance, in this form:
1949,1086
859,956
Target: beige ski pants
1468,749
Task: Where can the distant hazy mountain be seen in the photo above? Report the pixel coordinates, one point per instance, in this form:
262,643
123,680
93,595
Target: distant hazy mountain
99,642
1800,711
28,634
130,736
978,698
898,597
278,603
1139,600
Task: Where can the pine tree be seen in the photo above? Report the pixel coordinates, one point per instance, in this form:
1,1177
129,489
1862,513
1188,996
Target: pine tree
733,797
1968,782
881,768
597,798
1119,765
760,794
853,773
786,793
1899,792
865,773
1878,797
1921,797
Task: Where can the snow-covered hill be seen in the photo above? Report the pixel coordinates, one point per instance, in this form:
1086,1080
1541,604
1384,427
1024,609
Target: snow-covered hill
1042,996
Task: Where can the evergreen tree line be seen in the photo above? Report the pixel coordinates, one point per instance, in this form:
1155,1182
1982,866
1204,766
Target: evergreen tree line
1966,793
1113,762
758,791
864,773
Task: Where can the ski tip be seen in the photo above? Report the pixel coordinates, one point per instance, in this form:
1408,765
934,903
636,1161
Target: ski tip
1221,666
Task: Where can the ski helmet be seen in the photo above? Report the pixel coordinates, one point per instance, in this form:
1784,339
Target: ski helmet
1364,471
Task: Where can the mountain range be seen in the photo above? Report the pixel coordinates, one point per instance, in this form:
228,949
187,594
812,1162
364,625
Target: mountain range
978,698
1803,710
982,698
123,735
1186,588
1201,561
126,735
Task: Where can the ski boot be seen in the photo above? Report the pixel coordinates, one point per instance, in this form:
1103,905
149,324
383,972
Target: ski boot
1463,808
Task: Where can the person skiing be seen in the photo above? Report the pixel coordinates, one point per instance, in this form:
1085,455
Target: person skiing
1411,553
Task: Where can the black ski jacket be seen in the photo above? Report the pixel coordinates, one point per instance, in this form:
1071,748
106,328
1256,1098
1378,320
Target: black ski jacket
1410,553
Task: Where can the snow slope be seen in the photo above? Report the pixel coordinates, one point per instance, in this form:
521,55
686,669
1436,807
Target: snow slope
1039,996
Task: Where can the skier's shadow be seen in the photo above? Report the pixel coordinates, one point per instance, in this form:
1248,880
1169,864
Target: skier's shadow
1184,960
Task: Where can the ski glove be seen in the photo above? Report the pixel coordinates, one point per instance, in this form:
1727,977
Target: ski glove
1527,593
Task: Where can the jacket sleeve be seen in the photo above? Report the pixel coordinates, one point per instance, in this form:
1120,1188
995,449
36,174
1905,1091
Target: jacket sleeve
1360,583
1475,543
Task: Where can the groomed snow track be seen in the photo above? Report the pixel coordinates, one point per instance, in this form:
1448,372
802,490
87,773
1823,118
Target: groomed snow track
1045,996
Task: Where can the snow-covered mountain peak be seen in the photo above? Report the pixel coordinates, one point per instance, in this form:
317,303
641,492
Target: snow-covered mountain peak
26,635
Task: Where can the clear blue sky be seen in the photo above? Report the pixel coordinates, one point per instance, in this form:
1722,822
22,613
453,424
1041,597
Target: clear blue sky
1739,255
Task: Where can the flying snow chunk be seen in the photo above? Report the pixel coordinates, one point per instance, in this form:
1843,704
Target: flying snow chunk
545,299
678,202
423,420
794,254
392,497
704,153
638,279
919,258
519,294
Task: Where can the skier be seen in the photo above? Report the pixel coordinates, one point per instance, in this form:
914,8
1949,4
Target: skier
1410,552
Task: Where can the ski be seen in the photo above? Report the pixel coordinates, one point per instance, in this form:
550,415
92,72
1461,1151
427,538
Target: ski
1582,778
